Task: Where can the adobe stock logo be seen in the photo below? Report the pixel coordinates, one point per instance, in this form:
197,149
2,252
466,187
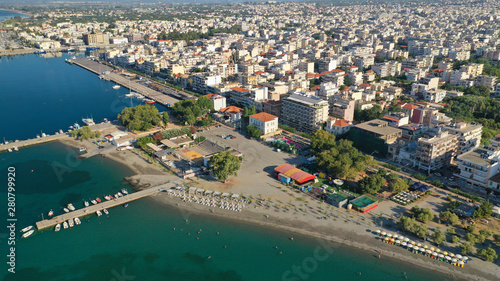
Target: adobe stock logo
310,264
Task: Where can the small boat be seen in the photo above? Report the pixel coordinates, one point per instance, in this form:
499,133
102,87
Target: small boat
98,213
51,213
82,149
107,197
58,227
139,96
126,205
93,202
124,191
71,223
98,200
119,194
129,95
28,233
71,207
111,197
16,148
26,228
151,102
10,149
116,87
106,211
78,221
65,225
66,210
86,203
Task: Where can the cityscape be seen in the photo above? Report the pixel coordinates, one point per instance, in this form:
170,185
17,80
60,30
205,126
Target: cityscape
337,140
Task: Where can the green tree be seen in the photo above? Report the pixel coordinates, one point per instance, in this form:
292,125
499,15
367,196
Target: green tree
141,117
439,237
166,118
253,131
321,141
471,228
224,164
485,232
371,184
487,254
471,238
484,211
466,248
398,185
419,176
496,237
455,238
449,217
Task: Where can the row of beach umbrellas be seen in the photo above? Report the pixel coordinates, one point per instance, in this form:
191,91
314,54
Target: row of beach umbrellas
418,248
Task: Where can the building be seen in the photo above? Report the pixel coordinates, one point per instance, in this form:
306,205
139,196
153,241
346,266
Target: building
494,182
435,96
272,107
385,69
485,80
469,135
437,152
342,108
374,136
477,167
266,122
232,113
337,127
396,119
286,172
304,113
95,37
218,101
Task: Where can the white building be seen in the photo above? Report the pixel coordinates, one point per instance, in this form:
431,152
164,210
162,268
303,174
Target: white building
267,123
217,100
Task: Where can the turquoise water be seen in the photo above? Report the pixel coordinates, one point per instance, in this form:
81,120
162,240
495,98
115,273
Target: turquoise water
10,14
139,241
47,94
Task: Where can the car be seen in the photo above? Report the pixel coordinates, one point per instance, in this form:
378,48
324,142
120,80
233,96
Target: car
233,137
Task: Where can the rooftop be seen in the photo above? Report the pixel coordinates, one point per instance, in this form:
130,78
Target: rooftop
378,127
475,156
264,117
307,100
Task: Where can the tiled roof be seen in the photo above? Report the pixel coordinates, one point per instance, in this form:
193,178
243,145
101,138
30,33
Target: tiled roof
264,117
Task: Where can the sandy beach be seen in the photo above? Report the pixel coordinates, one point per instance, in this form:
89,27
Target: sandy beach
292,212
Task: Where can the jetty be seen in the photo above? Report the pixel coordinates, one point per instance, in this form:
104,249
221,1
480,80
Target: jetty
108,73
48,138
92,209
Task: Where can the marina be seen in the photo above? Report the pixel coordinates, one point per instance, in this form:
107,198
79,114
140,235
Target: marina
97,208
106,73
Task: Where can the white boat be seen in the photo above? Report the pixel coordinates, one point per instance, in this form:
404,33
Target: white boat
86,203
116,87
140,97
26,228
88,121
71,223
129,95
51,213
124,191
16,148
119,194
10,149
78,221
107,197
66,210
28,233
58,227
94,202
106,211
71,207
65,225
98,213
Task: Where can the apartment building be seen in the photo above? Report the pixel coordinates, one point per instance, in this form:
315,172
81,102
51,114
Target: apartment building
385,69
469,135
337,127
374,136
486,80
342,108
473,69
272,107
217,100
95,37
478,166
437,152
303,112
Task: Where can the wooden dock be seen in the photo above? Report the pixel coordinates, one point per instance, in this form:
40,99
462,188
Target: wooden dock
125,82
92,209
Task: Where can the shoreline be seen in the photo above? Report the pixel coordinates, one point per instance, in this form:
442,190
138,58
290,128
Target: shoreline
19,12
148,174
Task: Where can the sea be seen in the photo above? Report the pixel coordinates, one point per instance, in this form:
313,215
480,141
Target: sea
5,14
146,240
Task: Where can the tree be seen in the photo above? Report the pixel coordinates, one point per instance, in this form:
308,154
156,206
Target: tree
398,185
496,237
487,254
439,237
423,214
321,141
419,176
166,118
448,217
485,232
371,184
471,228
484,211
224,164
141,117
455,238
467,248
471,238
253,131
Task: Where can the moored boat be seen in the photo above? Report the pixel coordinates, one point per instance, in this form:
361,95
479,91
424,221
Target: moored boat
116,87
86,203
93,202
126,205
65,225
58,227
119,194
26,228
124,191
98,200
71,207
78,221
66,210
28,233
106,211
111,197
51,213
98,213
107,197
71,223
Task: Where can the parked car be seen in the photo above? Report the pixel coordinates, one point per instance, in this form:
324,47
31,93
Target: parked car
233,137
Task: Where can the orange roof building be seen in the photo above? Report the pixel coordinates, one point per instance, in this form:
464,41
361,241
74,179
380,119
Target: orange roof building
265,122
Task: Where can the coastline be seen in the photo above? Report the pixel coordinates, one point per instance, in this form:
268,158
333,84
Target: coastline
19,12
347,233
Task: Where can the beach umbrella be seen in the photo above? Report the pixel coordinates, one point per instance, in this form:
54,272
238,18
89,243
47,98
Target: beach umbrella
378,232
437,250
461,263
390,235
407,239
404,244
413,243
434,254
441,256
396,236
428,251
445,253
465,259
425,247
459,257
420,245
383,233
447,258
454,260
452,255
422,250
432,248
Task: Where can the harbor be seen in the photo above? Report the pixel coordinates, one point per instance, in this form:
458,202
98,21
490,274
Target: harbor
107,73
92,209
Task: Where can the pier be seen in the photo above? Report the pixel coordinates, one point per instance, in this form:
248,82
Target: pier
48,138
134,86
92,209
